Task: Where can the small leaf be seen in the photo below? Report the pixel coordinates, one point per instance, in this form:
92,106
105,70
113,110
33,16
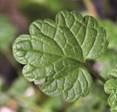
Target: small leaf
110,86
112,100
106,63
114,72
54,53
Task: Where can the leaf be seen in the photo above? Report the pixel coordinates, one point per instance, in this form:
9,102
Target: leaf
114,72
111,88
90,36
7,32
112,100
54,53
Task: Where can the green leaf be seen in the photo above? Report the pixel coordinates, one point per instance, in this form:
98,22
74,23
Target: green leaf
110,86
90,36
112,100
54,53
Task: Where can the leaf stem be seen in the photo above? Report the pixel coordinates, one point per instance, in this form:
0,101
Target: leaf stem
89,65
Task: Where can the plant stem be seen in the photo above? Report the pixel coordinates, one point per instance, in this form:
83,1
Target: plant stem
89,65
91,8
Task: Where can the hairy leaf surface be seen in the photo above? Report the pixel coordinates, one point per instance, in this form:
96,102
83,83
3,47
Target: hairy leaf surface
54,53
111,88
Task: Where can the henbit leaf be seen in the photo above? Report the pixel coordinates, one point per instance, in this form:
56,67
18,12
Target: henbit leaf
55,75
112,100
90,36
110,86
54,55
114,72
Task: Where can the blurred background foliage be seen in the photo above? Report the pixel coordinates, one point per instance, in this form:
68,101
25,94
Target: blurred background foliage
18,95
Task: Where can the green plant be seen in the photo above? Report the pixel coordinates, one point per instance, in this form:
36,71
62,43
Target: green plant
56,55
